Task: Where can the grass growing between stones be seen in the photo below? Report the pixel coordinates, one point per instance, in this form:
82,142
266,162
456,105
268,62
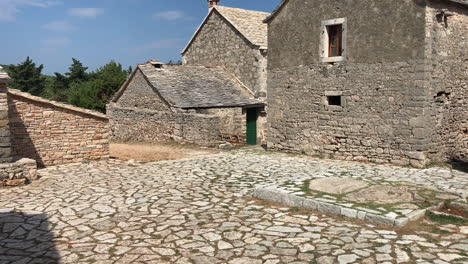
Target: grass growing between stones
444,219
425,198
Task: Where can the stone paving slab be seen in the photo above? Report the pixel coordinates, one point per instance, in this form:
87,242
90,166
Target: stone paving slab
197,210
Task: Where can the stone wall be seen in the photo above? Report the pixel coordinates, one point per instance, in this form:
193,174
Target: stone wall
5,142
140,94
219,44
53,133
447,67
21,169
233,120
134,124
381,82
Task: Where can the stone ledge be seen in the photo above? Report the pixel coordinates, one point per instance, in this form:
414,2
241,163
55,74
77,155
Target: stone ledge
271,193
21,169
57,104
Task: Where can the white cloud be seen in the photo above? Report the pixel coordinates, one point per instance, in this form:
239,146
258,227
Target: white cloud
9,8
169,15
55,41
86,12
59,26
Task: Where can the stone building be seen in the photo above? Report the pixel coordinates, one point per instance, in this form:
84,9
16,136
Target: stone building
381,81
194,104
237,40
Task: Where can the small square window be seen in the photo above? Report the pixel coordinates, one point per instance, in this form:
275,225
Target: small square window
334,100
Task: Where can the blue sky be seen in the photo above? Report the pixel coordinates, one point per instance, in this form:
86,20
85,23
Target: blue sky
51,32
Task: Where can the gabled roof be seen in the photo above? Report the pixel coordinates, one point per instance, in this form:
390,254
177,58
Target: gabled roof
248,23
191,87
284,2
4,76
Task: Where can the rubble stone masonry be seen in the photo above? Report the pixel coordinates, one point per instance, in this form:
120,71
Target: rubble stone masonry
136,124
447,74
398,103
219,44
54,133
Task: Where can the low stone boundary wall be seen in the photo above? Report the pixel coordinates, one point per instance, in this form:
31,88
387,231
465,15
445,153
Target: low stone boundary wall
53,133
149,125
274,194
21,169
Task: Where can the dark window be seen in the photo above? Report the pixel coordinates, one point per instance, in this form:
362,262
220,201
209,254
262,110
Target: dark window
335,40
334,100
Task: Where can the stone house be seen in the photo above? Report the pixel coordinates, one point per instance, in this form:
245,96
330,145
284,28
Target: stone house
194,104
235,39
380,81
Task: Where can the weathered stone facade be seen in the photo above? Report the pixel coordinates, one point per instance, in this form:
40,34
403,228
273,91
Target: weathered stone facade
136,124
53,133
219,43
189,104
447,79
388,97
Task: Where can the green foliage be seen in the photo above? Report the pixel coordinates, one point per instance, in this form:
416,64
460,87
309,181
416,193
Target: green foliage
91,90
77,72
97,91
171,62
27,77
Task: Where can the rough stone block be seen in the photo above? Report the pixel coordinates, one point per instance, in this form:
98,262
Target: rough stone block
381,220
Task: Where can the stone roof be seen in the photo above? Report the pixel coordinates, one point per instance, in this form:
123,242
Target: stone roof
248,23
197,86
284,2
4,76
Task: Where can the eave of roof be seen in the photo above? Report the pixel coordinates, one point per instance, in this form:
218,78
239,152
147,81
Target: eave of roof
284,2
212,11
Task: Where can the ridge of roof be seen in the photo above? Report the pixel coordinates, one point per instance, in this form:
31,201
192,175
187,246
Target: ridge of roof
249,23
284,2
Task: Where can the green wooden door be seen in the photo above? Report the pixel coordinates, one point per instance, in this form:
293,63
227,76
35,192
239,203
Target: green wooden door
251,126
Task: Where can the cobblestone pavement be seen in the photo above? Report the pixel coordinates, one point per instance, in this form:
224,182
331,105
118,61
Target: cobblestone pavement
195,211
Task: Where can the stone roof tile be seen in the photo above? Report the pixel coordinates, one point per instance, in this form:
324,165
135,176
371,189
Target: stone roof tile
248,22
197,86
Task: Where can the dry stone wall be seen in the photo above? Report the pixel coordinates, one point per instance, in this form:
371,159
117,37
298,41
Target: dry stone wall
53,133
219,44
135,124
447,66
140,94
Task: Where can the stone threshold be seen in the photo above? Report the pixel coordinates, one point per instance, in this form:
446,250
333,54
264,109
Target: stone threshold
274,194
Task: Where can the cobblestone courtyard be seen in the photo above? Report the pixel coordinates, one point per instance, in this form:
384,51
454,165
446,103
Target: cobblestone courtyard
198,210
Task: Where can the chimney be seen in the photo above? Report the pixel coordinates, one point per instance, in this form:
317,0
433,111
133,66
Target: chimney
213,3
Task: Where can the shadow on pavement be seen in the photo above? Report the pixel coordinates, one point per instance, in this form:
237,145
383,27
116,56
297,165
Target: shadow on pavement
26,238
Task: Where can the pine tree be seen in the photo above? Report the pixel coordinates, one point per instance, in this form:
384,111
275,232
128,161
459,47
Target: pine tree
77,72
27,77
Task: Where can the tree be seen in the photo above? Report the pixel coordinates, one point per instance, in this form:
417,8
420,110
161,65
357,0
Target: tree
57,88
27,77
171,62
77,72
97,91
